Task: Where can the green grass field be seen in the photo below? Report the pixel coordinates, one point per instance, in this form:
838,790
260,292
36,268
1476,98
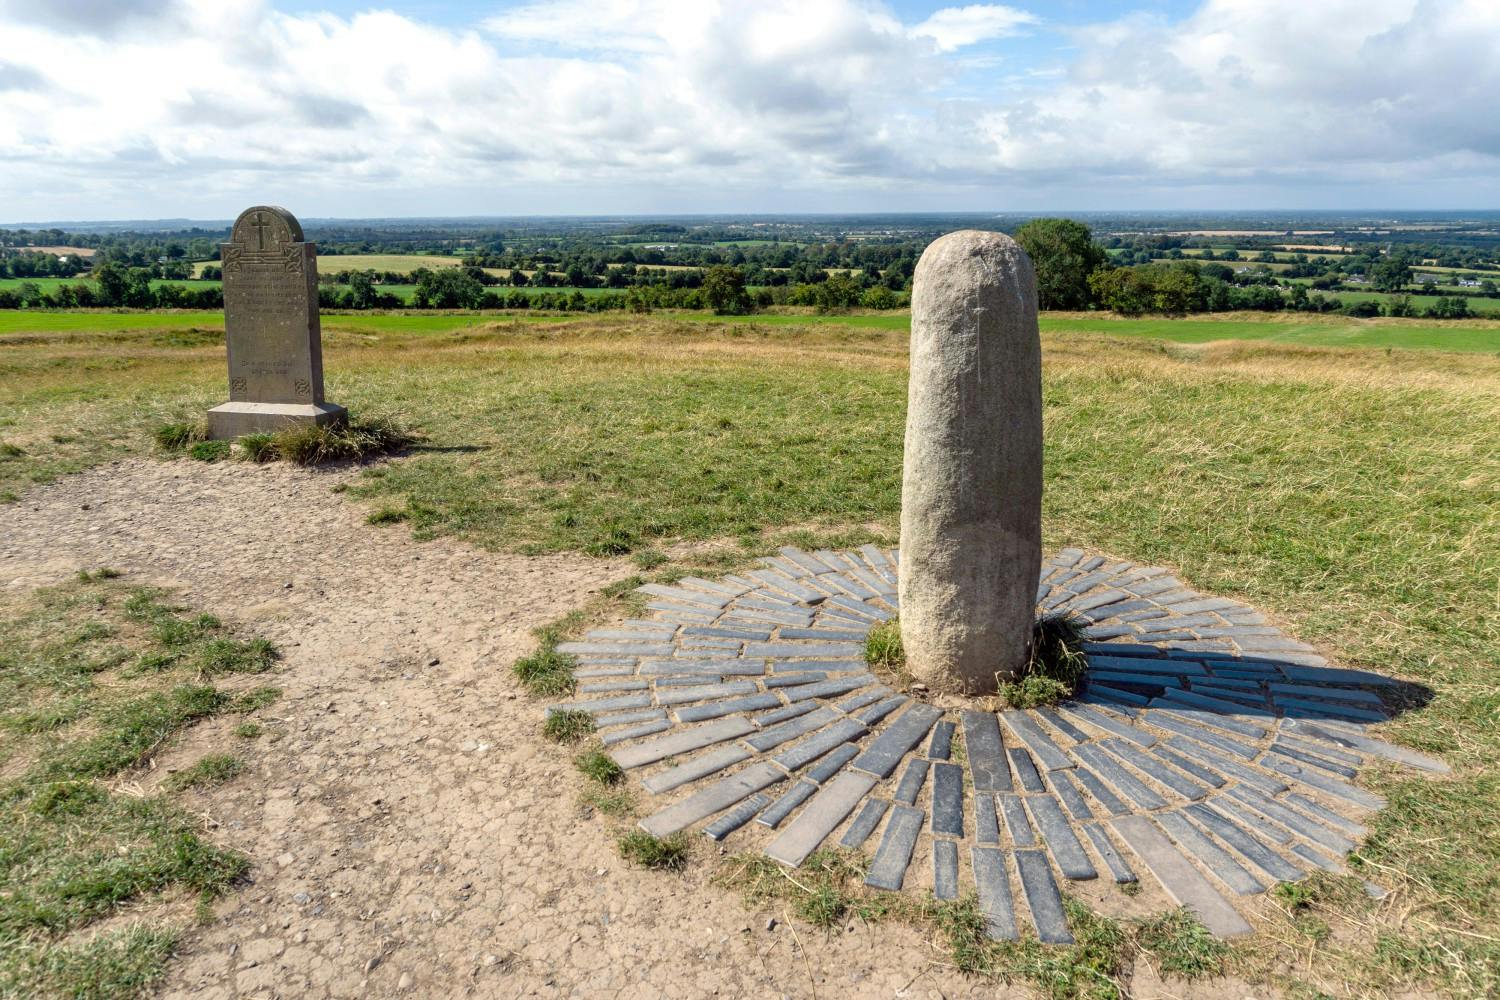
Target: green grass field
1352,493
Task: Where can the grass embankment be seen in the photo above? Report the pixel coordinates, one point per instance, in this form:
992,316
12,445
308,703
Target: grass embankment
1354,494
96,678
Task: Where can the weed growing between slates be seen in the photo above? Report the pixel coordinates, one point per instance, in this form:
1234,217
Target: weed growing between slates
96,677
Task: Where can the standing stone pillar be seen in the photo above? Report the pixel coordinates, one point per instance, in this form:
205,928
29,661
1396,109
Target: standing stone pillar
971,489
271,327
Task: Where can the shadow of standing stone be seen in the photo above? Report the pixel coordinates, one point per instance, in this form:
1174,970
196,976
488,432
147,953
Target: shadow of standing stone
271,328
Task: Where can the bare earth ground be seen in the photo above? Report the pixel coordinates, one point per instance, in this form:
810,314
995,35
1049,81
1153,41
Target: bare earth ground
412,834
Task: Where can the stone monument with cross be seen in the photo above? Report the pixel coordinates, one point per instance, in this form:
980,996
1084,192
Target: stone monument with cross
271,328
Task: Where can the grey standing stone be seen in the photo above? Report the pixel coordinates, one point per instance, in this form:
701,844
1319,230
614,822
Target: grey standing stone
271,327
971,491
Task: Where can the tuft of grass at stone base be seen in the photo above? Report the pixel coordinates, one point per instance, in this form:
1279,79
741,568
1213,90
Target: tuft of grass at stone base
1055,668
568,726
1182,946
660,853
214,769
599,766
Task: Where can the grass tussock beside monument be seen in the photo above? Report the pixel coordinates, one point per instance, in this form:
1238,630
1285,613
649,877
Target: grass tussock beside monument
352,440
1352,494
96,677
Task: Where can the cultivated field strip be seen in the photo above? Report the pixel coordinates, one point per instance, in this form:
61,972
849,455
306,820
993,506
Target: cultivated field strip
1207,749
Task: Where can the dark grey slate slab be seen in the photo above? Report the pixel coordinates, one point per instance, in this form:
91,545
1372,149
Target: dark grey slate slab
1301,708
1196,768
826,689
1063,725
888,870
618,670
826,810
1121,780
713,586
1313,760
794,680
993,883
1292,820
787,585
719,631
1326,815
1176,723
685,680
628,718
782,714
941,746
886,750
736,817
1156,770
790,730
864,823
683,695
1214,858
1177,875
661,633
635,732
788,650
700,766
604,704
1250,847
1113,696
1151,663
1318,858
1251,820
1325,750
754,616
1024,770
986,821
833,763
793,797
1043,898
1067,791
718,709
866,697
874,713
1334,675
986,753
617,648
715,798
1016,823
1118,678
682,741
1118,869
1217,705
945,869
683,595
826,634
1108,723
808,563
1324,782
819,743
911,781
1358,741
1026,729
1072,860
1101,792
948,799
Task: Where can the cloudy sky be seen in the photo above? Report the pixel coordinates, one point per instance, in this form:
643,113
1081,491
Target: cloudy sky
194,108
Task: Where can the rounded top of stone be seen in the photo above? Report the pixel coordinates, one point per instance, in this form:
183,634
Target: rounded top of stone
265,225
973,242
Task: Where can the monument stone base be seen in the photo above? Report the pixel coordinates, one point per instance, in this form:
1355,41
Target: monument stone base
230,420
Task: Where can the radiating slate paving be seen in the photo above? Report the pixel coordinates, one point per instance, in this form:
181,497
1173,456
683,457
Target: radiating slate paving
1206,746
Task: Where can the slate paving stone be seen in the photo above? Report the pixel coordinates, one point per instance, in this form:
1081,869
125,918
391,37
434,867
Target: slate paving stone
752,616
1071,859
794,680
1153,768
604,704
783,714
1325,815
1292,820
911,781
941,746
791,729
613,685
1217,860
802,559
1017,826
683,695
716,667
736,817
887,749
864,823
1325,783
701,766
987,763
628,718
684,596
1250,847
874,713
1312,760
1198,770
685,680
1063,725
1113,697
789,800
714,798
1358,741
788,650
1024,770
825,689
888,870
712,586
823,813
617,648
635,635
945,869
1067,791
1186,725
730,706
869,696
635,732
833,763
1042,746
1119,870
1318,858
986,820
1132,681
681,613
948,799
1107,799
1146,664
825,634
1304,709
1177,875
1090,715
993,883
787,584
1325,750
752,634
1043,898
819,743
1120,780
1250,820
1219,705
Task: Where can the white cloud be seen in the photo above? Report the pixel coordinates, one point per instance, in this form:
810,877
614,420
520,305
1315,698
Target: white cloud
954,27
620,105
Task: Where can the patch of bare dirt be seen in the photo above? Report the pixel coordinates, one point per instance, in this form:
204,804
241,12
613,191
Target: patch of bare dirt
412,833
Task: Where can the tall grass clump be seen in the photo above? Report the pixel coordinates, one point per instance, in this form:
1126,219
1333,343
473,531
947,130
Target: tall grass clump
1055,668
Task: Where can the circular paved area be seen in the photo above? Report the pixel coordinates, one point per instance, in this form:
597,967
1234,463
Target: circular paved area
1207,750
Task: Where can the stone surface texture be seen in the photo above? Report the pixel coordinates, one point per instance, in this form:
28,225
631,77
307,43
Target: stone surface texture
271,328
1206,749
971,489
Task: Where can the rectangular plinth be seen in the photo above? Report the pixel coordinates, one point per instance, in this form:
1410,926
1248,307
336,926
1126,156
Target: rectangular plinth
231,420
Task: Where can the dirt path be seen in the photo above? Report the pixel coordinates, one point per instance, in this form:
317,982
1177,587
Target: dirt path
412,833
